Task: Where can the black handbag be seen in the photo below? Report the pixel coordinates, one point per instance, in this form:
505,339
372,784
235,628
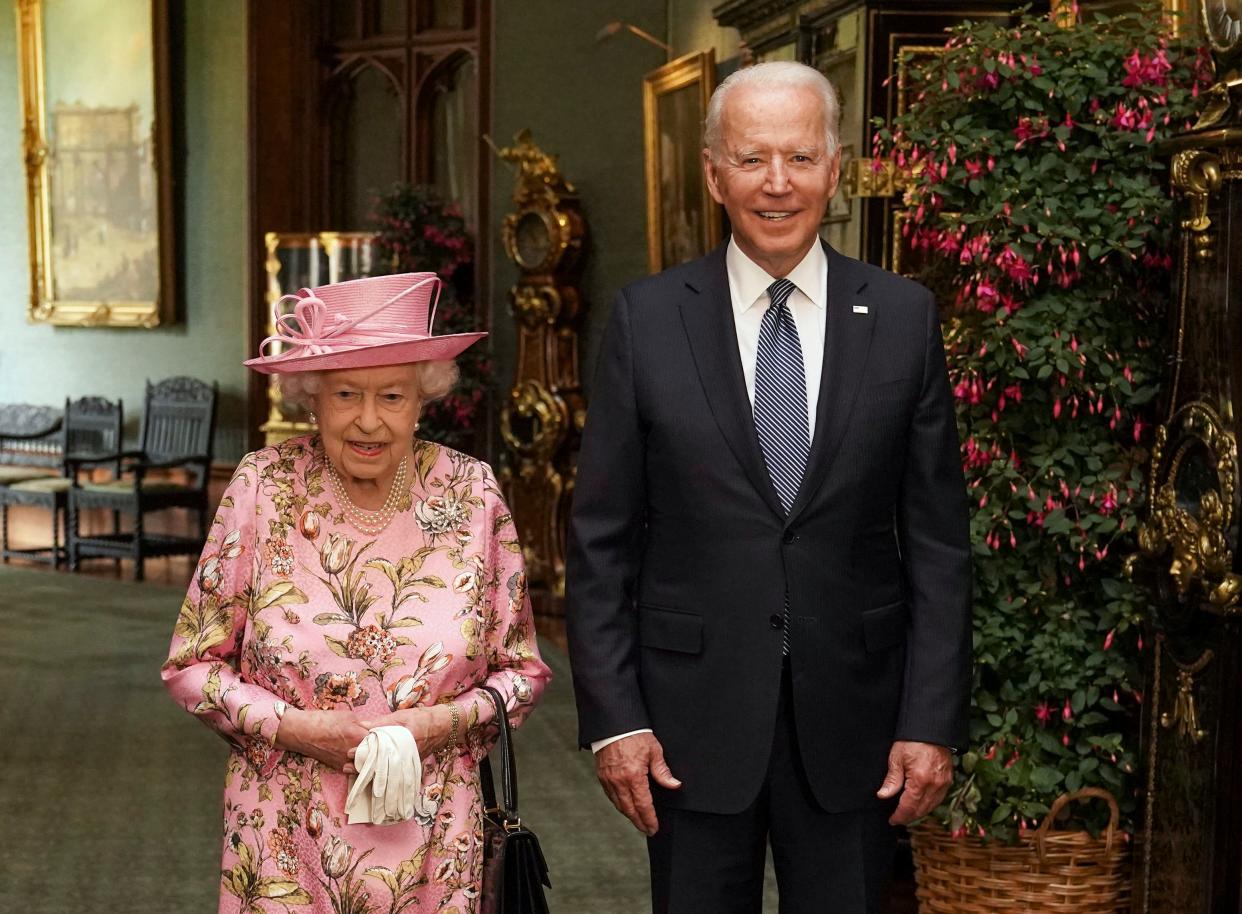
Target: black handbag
514,871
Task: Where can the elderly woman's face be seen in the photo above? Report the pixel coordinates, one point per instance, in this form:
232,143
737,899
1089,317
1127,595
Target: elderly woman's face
367,418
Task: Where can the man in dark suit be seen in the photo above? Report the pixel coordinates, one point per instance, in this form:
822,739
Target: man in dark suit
768,585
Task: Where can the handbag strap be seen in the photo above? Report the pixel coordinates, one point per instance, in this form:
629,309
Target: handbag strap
508,764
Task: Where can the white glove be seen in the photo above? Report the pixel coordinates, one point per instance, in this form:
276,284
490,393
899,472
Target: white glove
388,787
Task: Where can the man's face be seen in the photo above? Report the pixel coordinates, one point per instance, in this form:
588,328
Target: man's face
772,173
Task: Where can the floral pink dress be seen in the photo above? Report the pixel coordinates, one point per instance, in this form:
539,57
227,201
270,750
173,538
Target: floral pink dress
292,607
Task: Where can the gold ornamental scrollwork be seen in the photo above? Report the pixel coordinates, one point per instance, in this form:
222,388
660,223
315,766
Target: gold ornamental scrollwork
535,305
539,176
1192,480
1185,714
546,418
1196,173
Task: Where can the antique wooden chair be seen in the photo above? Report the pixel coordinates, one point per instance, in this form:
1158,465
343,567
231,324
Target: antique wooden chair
178,425
92,425
30,444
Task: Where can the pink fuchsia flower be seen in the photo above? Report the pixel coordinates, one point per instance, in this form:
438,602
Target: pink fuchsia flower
1030,128
1143,69
1043,713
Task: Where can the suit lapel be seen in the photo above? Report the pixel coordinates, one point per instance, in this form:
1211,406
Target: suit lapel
707,314
847,342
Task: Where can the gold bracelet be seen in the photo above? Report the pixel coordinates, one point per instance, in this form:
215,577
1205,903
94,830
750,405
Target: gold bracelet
455,715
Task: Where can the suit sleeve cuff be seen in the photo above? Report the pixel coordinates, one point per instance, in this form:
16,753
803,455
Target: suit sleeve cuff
601,743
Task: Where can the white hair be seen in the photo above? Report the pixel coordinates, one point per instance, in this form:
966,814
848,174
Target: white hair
776,74
432,380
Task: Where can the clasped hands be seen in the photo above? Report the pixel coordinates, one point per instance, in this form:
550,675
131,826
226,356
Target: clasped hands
920,772
333,737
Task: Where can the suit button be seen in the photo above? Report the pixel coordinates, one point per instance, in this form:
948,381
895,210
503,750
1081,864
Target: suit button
789,537
776,621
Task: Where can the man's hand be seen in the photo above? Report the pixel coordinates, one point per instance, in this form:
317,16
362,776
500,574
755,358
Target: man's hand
926,770
623,768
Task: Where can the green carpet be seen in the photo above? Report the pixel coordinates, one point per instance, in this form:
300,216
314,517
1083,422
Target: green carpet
110,793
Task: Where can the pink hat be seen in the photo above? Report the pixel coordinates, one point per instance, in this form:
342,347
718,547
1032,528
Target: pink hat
379,320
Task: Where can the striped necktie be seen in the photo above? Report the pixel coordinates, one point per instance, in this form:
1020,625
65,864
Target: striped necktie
780,404
780,396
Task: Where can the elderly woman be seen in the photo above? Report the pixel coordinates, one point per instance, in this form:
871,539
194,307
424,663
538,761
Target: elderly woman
355,579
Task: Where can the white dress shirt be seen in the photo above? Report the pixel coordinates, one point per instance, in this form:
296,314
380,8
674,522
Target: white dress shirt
748,289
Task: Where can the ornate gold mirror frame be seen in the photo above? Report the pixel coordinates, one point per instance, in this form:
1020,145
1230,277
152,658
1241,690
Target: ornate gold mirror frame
99,199
1192,480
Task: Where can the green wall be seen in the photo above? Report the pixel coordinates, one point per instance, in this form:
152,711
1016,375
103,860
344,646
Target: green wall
43,364
582,101
581,98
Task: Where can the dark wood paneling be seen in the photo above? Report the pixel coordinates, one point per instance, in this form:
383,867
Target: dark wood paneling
283,127
289,141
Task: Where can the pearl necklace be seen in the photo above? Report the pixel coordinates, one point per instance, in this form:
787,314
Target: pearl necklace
369,522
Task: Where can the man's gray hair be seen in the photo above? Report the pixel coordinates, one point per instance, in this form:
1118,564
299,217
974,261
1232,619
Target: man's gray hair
776,74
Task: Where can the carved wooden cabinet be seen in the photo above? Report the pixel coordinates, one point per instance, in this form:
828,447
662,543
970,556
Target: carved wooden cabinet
1189,859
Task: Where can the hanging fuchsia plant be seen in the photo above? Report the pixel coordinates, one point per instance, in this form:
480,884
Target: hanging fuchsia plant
1038,206
419,231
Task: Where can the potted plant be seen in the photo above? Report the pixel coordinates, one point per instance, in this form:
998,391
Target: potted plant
418,231
1039,212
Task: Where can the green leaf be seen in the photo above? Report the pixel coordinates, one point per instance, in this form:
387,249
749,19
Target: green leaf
386,876
279,594
388,568
331,619
284,891
1044,778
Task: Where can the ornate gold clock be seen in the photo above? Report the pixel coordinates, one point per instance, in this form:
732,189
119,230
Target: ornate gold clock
1222,23
541,420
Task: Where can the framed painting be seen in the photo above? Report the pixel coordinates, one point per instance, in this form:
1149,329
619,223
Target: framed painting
683,221
96,137
840,207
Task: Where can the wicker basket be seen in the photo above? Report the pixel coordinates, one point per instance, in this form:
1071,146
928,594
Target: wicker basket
1051,872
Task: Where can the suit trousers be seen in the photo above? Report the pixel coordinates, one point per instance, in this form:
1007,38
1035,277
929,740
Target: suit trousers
826,863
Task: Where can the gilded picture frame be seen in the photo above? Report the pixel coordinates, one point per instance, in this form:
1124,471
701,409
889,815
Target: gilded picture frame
841,205
683,221
96,140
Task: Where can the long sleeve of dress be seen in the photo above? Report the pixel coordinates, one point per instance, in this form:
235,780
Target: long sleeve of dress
202,672
514,667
